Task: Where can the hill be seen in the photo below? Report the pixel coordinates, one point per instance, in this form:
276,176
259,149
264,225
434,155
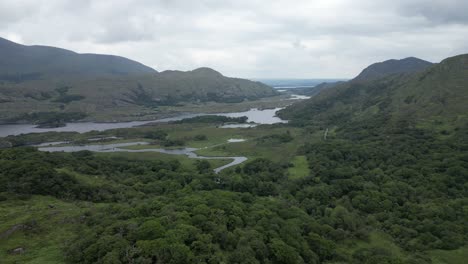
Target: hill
168,88
46,79
125,96
19,62
437,93
389,67
407,133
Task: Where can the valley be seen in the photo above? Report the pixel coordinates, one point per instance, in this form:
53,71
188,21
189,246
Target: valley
196,167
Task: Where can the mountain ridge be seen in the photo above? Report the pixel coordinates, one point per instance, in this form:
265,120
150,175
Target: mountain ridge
40,61
438,93
392,66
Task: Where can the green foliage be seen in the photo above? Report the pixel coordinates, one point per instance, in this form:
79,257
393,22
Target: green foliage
203,166
299,168
157,134
382,188
438,93
173,143
200,137
276,138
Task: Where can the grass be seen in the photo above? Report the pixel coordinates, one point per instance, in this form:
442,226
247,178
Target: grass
92,180
382,240
457,256
51,228
255,148
185,161
376,239
300,168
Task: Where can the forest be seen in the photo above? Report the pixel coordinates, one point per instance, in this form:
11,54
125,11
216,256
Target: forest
405,187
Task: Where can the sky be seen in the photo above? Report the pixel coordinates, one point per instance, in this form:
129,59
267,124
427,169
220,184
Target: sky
246,38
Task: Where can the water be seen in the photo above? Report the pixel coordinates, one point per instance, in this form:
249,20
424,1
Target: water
118,147
295,83
95,148
267,116
299,97
80,127
234,140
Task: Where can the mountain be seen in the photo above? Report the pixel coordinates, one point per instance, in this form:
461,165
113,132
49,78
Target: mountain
206,84
46,79
389,67
19,62
437,94
168,88
126,95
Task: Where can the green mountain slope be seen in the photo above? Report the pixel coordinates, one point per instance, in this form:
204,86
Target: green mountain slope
396,149
389,67
19,62
131,93
438,93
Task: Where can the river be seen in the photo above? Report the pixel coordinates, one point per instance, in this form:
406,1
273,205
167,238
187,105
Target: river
119,147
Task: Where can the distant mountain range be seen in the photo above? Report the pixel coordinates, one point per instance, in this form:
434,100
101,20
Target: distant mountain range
48,79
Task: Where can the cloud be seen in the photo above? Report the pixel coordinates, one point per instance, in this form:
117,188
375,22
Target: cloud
438,11
246,38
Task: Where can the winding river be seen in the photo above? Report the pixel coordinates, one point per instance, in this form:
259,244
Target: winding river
119,147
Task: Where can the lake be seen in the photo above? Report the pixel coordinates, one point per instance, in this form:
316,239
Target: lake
265,116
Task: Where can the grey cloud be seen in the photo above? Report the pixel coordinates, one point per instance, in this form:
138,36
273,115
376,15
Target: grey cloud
12,12
246,38
438,11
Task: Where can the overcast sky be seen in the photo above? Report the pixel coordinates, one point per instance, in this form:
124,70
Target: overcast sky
246,38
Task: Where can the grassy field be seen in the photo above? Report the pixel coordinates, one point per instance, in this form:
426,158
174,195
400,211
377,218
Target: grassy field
300,168
376,239
185,161
49,224
457,256
216,143
381,240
